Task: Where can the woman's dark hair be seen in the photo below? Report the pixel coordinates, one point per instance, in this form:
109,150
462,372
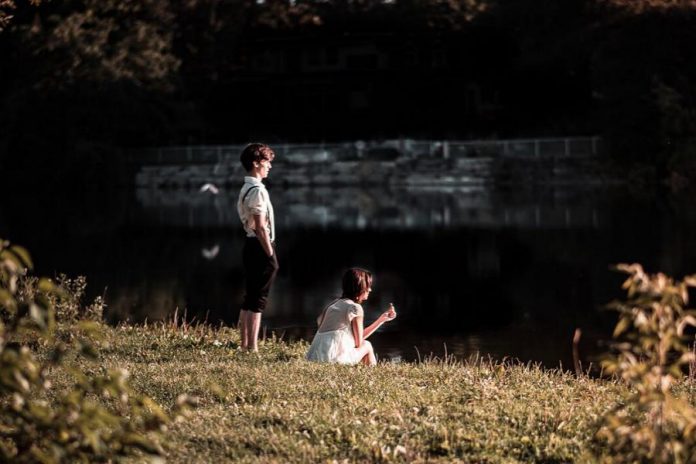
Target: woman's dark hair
356,281
255,152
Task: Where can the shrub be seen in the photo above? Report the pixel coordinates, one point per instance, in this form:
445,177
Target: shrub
650,355
98,418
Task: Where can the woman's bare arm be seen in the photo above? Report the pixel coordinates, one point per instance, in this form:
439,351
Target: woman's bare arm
357,325
369,330
360,333
386,316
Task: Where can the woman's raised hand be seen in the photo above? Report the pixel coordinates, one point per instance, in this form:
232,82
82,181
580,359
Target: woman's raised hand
390,313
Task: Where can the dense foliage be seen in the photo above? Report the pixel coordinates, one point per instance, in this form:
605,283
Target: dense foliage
94,415
651,357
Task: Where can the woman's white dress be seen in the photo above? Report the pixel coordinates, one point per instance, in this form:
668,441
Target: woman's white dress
334,341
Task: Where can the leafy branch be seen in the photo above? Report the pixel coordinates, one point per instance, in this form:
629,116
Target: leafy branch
651,354
99,418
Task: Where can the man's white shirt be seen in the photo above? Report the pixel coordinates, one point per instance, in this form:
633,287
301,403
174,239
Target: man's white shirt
254,200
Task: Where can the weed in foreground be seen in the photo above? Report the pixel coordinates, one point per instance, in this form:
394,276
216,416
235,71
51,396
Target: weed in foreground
652,424
90,413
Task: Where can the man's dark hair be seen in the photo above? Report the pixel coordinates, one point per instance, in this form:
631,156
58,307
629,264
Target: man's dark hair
356,281
255,152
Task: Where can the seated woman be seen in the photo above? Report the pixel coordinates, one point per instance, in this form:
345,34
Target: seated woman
341,335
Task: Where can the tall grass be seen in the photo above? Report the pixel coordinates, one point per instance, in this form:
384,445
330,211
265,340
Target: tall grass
277,407
274,406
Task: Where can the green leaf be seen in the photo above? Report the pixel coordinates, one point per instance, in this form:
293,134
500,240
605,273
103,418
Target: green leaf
88,350
155,409
142,443
23,256
50,319
94,440
41,456
686,321
11,261
49,287
42,413
91,328
7,301
675,371
623,324
39,316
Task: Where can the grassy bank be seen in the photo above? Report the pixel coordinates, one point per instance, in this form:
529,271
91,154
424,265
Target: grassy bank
276,407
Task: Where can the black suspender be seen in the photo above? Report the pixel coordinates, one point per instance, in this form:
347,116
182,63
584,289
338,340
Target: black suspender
249,190
244,198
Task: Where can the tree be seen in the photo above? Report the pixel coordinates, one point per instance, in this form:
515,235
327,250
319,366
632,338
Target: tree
643,77
102,41
6,9
83,70
647,6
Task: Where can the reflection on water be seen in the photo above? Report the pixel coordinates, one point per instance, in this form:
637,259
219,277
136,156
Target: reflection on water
353,208
502,273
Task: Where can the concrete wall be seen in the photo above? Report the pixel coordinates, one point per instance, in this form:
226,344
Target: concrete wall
398,163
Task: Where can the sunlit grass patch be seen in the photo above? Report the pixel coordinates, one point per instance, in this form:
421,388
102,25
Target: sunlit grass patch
276,407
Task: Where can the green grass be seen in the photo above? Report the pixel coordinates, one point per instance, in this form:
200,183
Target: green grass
277,407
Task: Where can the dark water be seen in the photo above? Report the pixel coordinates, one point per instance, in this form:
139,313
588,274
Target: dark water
471,270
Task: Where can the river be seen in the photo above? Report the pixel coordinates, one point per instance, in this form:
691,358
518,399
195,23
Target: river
505,273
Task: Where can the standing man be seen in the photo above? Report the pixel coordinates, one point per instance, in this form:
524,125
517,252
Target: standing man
259,257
